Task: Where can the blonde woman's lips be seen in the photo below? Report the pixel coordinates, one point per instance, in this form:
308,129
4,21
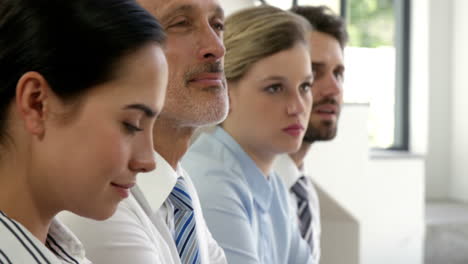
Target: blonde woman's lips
294,130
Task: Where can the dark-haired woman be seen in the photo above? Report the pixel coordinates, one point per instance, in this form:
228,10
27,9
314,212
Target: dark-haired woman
81,84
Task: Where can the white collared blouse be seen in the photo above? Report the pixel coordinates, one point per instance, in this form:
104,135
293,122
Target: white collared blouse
18,245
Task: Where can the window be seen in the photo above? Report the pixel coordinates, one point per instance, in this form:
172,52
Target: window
377,63
377,67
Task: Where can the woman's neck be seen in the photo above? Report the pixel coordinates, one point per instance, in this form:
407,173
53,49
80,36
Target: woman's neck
19,202
298,157
261,158
263,161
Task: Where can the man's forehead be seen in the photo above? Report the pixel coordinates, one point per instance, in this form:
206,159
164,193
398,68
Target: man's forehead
163,8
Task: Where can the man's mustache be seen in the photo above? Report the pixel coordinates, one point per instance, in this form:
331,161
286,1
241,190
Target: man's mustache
325,101
216,67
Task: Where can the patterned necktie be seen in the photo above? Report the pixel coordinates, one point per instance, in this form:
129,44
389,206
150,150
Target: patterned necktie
184,222
304,211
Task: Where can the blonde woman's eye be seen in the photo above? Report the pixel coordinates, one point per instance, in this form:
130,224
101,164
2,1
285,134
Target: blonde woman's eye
305,87
275,88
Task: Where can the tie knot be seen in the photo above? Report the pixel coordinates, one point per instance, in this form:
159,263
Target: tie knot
180,197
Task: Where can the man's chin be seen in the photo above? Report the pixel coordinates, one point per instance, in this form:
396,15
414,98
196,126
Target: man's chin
214,89
212,114
321,134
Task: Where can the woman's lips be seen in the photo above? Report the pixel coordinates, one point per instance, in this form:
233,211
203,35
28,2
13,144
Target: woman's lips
123,189
294,130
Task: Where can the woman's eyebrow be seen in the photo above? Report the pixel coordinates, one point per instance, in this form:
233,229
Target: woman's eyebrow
142,107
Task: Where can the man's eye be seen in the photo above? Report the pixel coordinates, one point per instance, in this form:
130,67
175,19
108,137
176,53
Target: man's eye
179,23
339,76
219,26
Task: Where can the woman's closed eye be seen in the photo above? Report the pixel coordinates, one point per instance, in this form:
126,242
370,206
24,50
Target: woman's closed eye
130,128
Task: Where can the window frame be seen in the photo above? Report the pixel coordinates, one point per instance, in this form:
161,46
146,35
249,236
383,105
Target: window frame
402,11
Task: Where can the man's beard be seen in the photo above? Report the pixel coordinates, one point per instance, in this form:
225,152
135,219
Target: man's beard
194,107
324,130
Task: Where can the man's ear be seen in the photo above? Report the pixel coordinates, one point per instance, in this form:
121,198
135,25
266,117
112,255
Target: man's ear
32,95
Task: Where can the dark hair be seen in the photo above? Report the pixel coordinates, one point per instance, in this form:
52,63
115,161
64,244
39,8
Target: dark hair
74,44
324,20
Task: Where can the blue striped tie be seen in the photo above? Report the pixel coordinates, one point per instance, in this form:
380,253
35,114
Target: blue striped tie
184,222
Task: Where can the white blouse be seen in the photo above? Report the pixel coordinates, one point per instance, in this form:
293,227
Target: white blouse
18,245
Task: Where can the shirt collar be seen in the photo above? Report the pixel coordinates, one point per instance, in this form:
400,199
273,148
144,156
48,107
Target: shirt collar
60,236
287,170
158,184
260,186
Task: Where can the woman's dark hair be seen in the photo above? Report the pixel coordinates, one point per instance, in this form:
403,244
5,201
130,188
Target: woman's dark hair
74,44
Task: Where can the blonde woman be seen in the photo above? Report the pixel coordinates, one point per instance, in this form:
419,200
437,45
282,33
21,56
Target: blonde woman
269,76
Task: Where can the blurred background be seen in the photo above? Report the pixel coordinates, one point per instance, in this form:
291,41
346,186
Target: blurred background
392,184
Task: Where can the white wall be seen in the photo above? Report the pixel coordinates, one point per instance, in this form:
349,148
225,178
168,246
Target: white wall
231,6
340,166
439,154
382,199
447,157
338,169
459,182
392,230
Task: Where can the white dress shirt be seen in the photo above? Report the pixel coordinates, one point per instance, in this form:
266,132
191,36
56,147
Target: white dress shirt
18,245
141,231
290,173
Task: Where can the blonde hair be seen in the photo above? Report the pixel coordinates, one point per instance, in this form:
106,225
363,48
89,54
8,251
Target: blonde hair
258,32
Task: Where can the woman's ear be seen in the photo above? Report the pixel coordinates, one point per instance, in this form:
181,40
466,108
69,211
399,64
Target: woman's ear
32,95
